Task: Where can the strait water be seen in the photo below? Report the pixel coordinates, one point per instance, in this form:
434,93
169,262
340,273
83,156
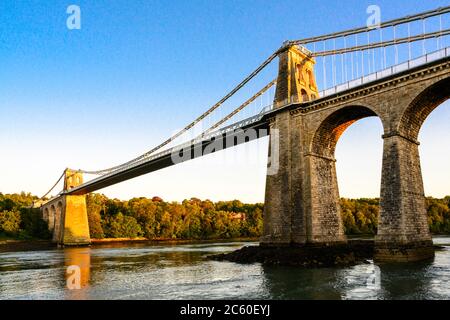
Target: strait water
145,271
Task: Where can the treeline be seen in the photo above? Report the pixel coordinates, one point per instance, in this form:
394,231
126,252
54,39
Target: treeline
360,216
190,219
18,220
155,218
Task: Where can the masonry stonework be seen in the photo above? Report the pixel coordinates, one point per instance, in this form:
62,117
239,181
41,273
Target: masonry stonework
302,198
66,215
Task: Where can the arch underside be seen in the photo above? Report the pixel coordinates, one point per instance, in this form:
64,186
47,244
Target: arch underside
326,224
422,106
332,128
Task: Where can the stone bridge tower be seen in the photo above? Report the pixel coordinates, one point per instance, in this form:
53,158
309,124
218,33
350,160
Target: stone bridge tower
66,215
302,199
296,81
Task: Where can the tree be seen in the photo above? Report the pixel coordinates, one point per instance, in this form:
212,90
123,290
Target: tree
190,219
96,205
10,222
122,226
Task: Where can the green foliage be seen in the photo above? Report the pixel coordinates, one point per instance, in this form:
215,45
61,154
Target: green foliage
360,216
190,219
439,215
10,222
18,220
33,226
96,206
13,202
119,225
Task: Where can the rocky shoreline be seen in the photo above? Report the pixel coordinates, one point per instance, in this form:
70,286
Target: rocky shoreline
354,252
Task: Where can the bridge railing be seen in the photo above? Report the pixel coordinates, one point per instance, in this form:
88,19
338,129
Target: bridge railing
410,64
353,57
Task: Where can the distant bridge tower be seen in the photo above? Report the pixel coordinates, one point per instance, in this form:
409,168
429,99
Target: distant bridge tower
72,179
66,215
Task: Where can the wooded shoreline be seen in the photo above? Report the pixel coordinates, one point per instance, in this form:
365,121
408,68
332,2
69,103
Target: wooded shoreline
12,245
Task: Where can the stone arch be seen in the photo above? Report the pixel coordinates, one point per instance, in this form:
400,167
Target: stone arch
51,218
332,127
421,107
45,215
311,78
403,215
304,95
57,226
60,214
301,72
71,182
325,223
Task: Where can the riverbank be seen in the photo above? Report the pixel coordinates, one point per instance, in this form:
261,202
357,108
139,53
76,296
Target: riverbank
11,245
25,245
168,240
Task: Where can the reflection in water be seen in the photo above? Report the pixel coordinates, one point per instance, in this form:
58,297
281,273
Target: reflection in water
149,271
297,283
362,281
80,258
399,285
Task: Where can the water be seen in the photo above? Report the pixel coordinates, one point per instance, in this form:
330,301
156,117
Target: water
143,271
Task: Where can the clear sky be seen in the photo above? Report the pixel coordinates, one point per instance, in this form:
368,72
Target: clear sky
138,70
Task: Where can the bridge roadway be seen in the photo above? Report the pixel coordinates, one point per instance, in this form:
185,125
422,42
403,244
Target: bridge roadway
259,123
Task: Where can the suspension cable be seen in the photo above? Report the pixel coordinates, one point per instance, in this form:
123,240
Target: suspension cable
424,50
419,16
197,120
238,109
385,43
51,189
409,42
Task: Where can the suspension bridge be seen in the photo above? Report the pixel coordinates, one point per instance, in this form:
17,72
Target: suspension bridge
397,71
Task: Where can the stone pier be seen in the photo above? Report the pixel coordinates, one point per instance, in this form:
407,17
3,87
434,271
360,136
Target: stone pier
66,215
302,197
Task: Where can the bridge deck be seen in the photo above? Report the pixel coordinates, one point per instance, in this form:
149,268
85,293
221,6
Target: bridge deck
164,159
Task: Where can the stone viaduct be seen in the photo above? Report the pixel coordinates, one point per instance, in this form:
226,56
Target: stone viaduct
302,198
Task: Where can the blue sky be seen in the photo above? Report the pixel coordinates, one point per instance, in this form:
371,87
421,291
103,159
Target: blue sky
138,70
